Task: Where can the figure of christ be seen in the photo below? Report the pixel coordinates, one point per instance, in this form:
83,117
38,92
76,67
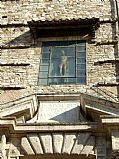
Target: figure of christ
63,64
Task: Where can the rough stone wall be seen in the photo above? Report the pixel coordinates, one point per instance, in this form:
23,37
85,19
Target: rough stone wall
19,56
22,11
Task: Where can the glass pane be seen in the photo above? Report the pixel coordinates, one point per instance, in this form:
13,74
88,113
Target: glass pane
58,51
81,66
57,80
62,80
61,64
81,43
44,61
71,67
54,68
46,49
42,81
71,80
45,55
81,80
81,54
53,81
81,73
60,69
81,60
43,74
70,51
80,48
44,68
63,61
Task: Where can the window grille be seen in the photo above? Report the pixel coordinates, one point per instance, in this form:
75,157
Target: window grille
62,62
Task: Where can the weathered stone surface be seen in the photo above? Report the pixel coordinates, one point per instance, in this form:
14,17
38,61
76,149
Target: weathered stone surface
62,112
57,142
19,68
26,146
48,10
69,140
35,142
53,10
46,140
80,141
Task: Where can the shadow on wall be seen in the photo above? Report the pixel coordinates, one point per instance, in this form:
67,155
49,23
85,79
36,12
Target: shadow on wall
72,116
24,39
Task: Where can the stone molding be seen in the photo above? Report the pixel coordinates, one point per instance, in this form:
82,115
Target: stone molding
34,139
22,109
50,138
59,143
15,127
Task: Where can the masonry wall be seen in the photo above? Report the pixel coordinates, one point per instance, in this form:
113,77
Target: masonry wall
19,54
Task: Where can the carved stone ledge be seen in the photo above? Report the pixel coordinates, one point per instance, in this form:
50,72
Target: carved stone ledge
100,62
107,84
107,42
13,25
12,87
108,21
14,64
15,46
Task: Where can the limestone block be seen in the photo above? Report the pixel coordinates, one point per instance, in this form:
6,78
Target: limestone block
46,140
69,140
26,146
35,142
80,142
57,142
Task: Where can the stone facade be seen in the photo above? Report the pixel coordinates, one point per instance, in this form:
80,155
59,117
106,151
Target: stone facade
42,121
17,44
